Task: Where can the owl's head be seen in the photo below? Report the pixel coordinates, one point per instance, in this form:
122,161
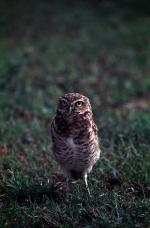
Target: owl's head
73,104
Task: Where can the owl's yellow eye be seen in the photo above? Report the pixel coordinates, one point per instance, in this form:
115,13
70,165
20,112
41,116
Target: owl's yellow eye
79,104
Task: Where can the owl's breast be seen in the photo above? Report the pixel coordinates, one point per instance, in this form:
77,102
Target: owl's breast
70,142
78,148
77,153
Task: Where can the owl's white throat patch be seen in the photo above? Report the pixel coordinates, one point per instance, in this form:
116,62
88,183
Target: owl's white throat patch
71,142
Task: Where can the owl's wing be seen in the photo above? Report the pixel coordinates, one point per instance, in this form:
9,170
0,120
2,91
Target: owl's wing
95,129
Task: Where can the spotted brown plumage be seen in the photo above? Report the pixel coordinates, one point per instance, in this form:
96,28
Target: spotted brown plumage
75,143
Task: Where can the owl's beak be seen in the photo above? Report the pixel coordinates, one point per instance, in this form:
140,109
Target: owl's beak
70,109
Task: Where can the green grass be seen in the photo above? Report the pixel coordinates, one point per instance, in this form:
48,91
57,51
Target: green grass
104,56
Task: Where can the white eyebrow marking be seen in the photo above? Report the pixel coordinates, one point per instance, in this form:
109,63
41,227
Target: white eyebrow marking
78,100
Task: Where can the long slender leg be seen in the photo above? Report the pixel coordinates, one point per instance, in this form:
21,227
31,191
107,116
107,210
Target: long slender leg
86,184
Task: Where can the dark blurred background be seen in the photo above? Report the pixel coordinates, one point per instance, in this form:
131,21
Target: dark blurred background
100,48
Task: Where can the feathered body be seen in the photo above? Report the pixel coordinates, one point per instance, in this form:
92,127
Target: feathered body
75,143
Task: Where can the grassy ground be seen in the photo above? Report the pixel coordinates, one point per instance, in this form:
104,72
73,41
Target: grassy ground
102,52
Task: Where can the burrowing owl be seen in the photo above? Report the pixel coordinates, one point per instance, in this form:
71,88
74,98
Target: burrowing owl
75,143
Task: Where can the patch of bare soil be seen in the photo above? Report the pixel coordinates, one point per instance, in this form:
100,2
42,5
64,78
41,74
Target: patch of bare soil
137,104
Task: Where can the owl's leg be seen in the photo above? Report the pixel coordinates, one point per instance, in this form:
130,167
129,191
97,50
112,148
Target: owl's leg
86,184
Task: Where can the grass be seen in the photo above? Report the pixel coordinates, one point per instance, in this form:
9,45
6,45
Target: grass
105,56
